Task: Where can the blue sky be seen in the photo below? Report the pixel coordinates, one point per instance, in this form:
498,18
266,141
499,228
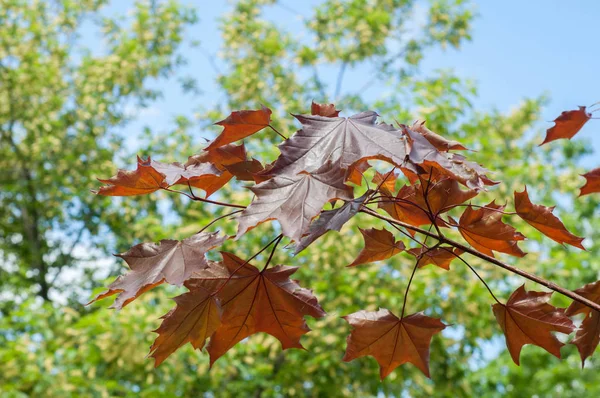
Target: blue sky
520,49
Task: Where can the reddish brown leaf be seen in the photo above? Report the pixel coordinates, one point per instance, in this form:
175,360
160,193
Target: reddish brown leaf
151,176
152,264
439,142
144,180
468,173
256,301
331,220
409,204
240,125
567,124
527,318
592,183
441,256
294,201
588,335
247,170
356,172
380,244
542,219
221,158
196,317
327,110
386,182
484,230
390,340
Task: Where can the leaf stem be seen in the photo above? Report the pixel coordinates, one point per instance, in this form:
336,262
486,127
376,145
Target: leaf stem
198,199
220,218
272,252
550,285
275,130
245,263
475,272
408,287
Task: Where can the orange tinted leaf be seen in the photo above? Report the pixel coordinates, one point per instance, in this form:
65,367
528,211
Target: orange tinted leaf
294,201
527,318
256,301
240,125
390,340
196,317
144,180
386,182
567,124
592,183
484,230
327,110
380,244
152,264
439,142
441,256
542,219
356,172
588,335
220,157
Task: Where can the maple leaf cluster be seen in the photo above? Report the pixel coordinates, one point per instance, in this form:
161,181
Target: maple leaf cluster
326,162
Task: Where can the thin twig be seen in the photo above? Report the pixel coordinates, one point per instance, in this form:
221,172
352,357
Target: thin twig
275,130
550,285
475,272
408,287
245,263
272,252
198,199
220,218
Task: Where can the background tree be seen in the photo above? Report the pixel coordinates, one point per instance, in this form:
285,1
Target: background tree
59,349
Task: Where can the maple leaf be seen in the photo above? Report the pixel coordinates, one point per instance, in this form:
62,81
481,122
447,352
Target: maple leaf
592,183
409,204
356,172
144,180
439,142
330,220
440,256
380,244
150,176
248,170
567,124
386,182
221,158
484,230
327,110
343,141
470,174
256,301
170,261
240,125
196,317
542,219
588,335
390,340
294,201
527,318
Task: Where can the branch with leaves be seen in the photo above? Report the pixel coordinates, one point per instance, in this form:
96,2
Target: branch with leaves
326,162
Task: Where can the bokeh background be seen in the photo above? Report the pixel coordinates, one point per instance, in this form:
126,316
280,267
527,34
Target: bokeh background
86,85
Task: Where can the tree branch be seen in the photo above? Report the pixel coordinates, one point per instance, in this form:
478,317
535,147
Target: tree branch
550,285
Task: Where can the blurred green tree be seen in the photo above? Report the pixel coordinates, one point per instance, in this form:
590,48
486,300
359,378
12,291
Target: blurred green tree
60,106
52,351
